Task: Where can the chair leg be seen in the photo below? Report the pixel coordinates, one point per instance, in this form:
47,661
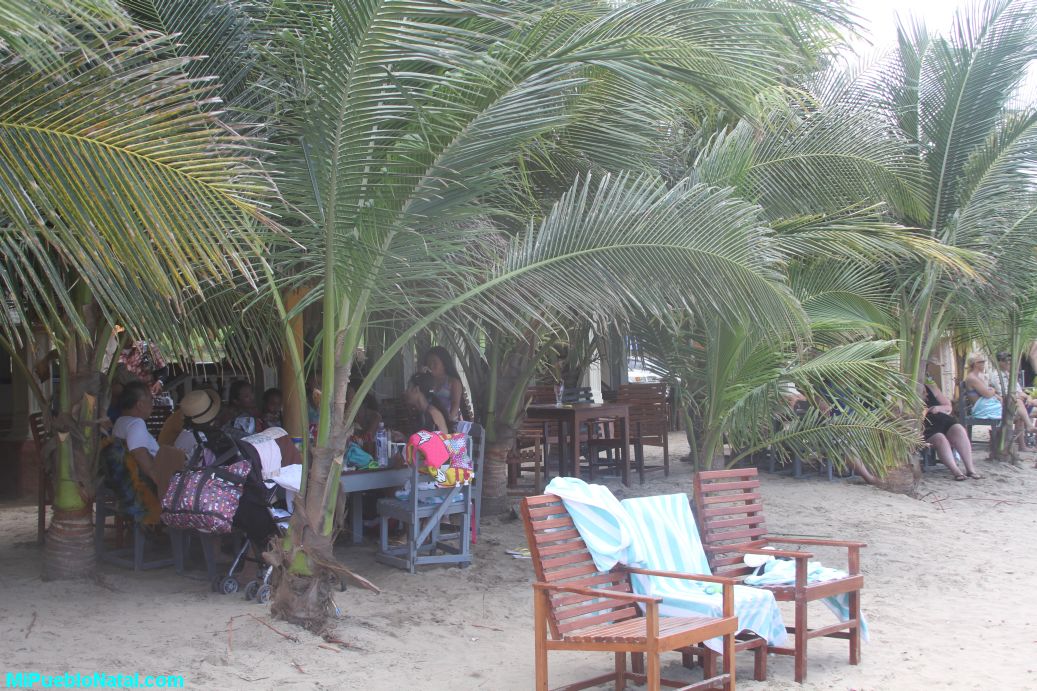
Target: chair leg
99,518
709,663
637,663
621,671
760,663
540,639
639,457
176,540
801,641
855,632
138,547
728,664
653,671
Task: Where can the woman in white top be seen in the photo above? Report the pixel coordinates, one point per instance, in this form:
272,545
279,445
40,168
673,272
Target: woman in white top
131,427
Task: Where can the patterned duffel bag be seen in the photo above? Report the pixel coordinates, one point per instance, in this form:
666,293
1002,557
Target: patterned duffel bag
205,500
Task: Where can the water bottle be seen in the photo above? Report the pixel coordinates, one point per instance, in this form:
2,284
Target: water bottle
381,445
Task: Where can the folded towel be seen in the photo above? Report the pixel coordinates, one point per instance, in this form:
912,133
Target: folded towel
783,572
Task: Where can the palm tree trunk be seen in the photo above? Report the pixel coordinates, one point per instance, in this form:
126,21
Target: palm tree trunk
68,551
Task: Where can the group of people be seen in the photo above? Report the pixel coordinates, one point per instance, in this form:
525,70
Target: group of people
988,393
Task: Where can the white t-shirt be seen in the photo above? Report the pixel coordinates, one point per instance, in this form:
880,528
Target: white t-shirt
186,441
134,431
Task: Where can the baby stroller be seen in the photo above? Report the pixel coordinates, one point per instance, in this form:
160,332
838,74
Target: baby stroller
262,513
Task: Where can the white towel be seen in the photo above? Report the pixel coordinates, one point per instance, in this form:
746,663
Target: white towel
603,523
269,453
783,572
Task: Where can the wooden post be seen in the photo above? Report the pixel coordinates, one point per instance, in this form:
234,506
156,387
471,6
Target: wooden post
295,411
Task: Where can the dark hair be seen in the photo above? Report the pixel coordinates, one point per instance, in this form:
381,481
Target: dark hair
444,356
236,388
270,393
1004,355
132,393
425,383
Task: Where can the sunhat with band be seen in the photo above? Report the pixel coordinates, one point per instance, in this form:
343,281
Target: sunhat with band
201,406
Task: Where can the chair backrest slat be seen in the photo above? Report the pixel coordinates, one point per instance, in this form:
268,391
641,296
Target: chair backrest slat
649,411
560,556
729,511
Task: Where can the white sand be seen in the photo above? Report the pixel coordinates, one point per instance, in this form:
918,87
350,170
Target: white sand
949,597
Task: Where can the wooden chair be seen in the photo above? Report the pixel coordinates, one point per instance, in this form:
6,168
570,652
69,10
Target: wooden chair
649,422
729,510
425,543
44,478
577,607
527,456
157,419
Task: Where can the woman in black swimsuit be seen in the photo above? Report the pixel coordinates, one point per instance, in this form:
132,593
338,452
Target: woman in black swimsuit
945,434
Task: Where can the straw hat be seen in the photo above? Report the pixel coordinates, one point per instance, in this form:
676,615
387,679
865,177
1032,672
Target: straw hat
201,406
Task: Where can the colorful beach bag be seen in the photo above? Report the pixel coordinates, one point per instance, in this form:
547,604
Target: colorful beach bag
205,500
443,456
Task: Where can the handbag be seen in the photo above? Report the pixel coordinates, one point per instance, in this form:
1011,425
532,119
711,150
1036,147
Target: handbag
205,499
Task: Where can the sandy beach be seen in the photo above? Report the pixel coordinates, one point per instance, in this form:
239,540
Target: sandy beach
949,600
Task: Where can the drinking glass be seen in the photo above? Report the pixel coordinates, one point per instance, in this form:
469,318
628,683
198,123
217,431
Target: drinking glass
559,394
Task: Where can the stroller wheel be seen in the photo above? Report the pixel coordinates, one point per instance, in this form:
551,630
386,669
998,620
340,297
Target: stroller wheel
250,589
263,594
228,585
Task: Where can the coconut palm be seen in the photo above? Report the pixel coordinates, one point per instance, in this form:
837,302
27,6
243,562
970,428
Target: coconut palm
120,198
951,99
401,129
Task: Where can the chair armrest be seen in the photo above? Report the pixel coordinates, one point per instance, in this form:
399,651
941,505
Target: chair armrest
596,592
728,584
790,554
815,541
686,576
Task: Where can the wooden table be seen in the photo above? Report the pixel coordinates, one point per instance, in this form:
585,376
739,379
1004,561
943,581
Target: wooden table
356,481
570,416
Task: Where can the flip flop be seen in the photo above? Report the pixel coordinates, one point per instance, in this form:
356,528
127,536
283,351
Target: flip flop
975,476
959,478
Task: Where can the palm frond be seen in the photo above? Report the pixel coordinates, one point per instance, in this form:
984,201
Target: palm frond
111,175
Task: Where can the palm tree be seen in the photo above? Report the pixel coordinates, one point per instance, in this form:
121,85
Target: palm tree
120,198
403,131
951,99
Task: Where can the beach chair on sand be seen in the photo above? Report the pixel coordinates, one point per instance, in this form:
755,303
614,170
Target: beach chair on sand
578,607
729,510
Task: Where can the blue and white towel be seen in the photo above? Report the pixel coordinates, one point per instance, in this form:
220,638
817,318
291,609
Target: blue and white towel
603,523
783,572
660,533
669,540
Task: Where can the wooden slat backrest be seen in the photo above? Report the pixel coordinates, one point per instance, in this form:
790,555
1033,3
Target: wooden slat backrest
649,411
158,418
729,512
540,393
560,557
39,432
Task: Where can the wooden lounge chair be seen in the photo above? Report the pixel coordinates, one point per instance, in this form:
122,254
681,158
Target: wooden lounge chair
577,607
729,510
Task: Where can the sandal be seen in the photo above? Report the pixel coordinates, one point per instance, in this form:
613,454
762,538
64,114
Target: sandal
959,477
975,476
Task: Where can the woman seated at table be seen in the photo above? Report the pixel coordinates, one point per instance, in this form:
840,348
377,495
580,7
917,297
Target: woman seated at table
421,397
240,412
446,381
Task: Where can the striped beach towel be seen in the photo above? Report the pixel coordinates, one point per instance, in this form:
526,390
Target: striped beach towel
783,572
669,540
602,522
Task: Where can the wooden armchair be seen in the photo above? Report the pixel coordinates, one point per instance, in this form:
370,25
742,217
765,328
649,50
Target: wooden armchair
649,423
577,607
729,511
